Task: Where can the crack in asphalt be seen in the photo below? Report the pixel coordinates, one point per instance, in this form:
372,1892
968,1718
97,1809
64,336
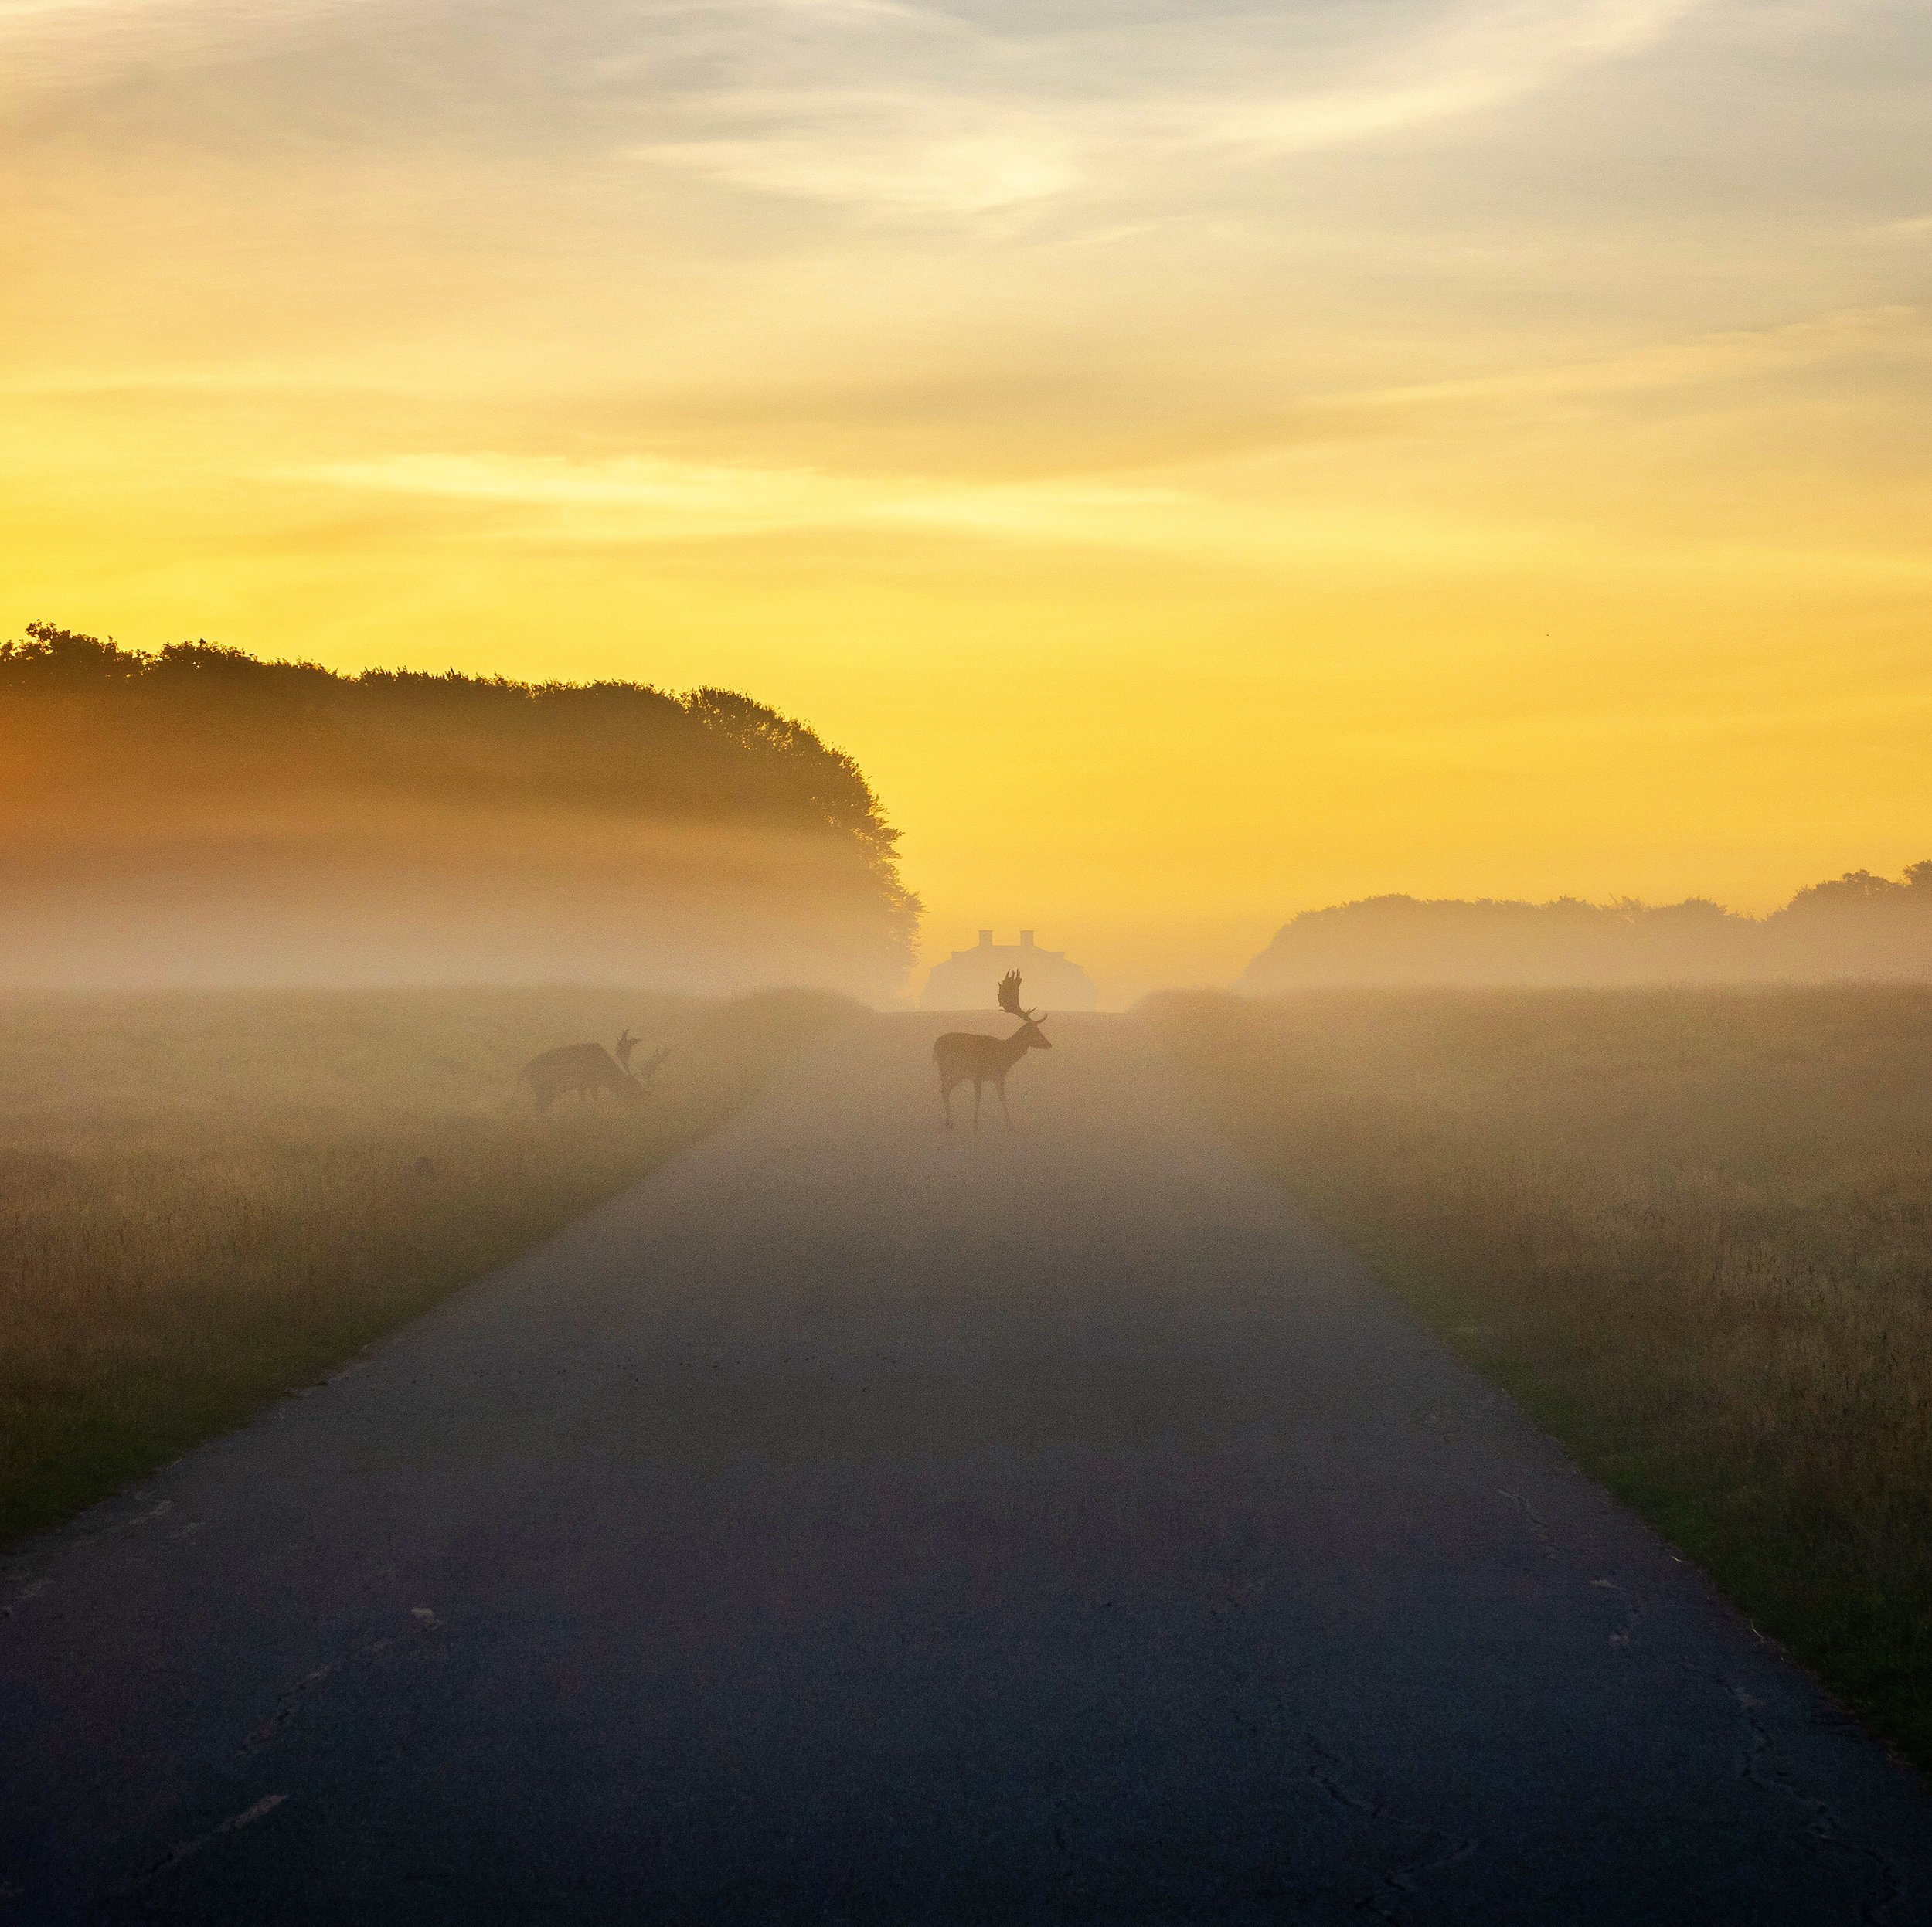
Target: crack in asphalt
176,1854
293,1697
1760,1764
1539,1528
1635,1606
1401,1880
29,1577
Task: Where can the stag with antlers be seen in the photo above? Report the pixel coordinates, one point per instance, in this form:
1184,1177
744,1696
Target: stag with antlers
961,1055
590,1071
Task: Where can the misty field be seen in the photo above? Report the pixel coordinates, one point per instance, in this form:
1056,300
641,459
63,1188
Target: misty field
207,1199
1690,1230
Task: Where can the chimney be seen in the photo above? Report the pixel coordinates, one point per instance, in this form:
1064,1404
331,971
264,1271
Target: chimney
985,939
1026,939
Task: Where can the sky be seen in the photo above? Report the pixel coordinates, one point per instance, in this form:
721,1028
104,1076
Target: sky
1204,461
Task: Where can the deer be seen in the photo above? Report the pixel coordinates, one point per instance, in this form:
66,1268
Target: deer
590,1070
986,1060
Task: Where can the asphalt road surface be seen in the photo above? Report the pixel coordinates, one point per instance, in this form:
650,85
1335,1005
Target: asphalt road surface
860,1523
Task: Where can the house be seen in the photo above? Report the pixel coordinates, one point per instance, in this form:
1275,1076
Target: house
969,980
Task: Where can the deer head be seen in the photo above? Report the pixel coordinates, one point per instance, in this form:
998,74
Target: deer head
1030,1020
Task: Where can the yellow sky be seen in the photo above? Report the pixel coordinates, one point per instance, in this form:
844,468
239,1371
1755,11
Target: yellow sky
1204,461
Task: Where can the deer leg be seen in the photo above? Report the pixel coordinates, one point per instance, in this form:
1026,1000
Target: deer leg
1001,1087
946,1101
978,1090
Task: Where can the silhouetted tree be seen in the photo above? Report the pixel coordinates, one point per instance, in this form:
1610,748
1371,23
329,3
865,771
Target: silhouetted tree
214,761
1857,925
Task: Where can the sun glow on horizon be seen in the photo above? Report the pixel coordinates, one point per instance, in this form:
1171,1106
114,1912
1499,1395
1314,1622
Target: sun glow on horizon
1202,464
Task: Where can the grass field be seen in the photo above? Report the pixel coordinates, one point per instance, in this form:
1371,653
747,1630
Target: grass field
207,1199
1691,1231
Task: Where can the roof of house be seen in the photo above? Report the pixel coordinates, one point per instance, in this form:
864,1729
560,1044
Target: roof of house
969,978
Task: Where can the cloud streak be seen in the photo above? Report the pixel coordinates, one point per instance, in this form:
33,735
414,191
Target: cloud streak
1735,354
52,46
965,121
652,500
887,108
647,498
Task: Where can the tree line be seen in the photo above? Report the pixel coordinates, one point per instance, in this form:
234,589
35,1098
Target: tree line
1857,925
708,819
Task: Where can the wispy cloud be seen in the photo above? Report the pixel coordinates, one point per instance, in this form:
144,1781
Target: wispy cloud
1733,355
655,498
647,499
906,105
650,499
890,153
1475,59
1185,509
954,118
53,44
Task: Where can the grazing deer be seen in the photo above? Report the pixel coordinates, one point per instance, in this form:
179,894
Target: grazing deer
587,1068
986,1060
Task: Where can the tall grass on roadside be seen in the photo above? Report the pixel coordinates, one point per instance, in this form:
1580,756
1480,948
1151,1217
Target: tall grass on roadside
1691,1230
207,1199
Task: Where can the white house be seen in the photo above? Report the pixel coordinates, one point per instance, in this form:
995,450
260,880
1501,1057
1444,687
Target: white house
969,980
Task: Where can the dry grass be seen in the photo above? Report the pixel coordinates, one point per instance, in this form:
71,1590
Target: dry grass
1691,1230
207,1199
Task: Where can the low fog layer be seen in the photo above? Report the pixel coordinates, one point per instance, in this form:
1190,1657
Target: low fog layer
199,817
1858,926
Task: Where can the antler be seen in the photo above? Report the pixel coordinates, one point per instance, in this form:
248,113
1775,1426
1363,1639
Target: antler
1009,999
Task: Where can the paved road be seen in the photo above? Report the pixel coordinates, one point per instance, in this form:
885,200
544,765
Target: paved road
857,1525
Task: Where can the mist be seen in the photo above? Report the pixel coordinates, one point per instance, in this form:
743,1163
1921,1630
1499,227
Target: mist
198,817
1858,926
